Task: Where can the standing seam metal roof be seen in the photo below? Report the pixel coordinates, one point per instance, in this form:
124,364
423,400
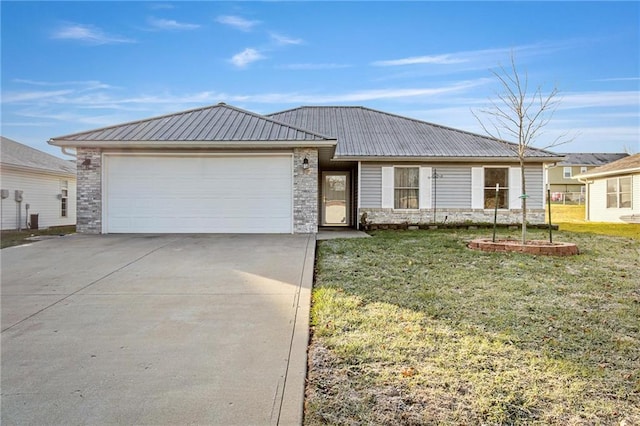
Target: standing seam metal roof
590,158
217,123
365,132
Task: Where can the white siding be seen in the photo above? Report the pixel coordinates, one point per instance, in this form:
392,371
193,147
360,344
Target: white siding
40,191
636,193
371,184
598,211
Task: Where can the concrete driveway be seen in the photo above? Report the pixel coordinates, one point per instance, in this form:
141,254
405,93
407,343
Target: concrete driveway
178,329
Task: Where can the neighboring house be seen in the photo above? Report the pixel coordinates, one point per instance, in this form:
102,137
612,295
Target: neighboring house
224,169
560,176
43,182
613,191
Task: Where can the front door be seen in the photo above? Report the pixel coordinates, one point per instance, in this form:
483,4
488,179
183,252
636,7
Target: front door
335,199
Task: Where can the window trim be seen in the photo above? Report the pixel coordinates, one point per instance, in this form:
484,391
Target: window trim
618,192
566,169
64,198
484,187
412,188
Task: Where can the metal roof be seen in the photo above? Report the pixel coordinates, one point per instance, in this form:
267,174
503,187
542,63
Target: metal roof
590,158
23,156
216,123
365,132
628,164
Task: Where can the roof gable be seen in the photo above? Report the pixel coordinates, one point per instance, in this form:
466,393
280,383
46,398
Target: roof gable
629,164
216,123
20,155
365,132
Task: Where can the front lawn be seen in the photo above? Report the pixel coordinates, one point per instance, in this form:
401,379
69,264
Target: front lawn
413,328
16,238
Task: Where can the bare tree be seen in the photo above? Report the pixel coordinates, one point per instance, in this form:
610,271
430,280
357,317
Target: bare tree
519,114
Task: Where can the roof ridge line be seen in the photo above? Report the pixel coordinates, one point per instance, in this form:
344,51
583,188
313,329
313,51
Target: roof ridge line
175,114
282,123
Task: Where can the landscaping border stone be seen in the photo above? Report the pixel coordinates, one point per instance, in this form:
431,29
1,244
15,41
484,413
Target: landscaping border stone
535,247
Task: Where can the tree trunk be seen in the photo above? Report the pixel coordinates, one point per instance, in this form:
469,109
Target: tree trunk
523,194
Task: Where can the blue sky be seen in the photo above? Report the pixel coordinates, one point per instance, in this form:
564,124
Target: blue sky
73,66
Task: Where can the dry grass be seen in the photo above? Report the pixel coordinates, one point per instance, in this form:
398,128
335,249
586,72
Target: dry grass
567,213
16,238
571,218
413,328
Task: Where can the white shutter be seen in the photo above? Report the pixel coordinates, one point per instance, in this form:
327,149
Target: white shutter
424,197
477,188
515,188
387,187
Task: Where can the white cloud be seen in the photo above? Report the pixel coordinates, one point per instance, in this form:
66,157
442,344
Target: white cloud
88,34
15,97
237,22
284,40
483,56
88,84
433,59
246,57
356,96
573,100
311,66
171,25
618,79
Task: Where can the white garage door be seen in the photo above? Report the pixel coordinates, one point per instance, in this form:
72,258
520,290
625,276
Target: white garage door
198,194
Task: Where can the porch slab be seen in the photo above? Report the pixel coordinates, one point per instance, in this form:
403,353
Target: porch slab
332,234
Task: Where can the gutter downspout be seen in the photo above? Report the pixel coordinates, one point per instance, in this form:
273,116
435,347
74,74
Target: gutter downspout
587,183
71,154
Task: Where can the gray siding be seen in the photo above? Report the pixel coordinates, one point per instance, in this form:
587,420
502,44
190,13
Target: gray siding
534,186
453,187
371,185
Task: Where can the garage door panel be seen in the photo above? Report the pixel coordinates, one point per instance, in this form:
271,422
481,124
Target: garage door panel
193,194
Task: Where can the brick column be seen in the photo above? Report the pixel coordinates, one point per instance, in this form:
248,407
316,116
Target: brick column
305,191
89,203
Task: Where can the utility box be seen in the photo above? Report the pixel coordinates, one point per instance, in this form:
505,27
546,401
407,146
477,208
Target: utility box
33,221
18,195
4,193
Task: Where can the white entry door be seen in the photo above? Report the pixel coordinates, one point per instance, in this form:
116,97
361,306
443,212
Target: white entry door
197,194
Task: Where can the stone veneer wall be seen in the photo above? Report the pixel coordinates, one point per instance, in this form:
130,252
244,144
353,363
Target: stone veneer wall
305,191
390,216
89,203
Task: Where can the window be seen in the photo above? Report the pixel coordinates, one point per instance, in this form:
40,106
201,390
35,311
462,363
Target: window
406,183
496,176
64,194
619,193
566,172
583,169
